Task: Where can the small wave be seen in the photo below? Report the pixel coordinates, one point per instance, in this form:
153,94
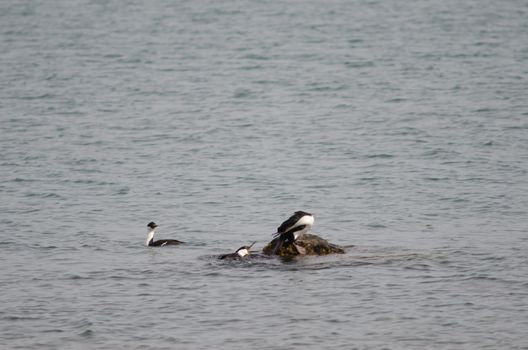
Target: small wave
18,179
355,41
241,93
87,333
418,267
53,331
76,277
253,56
453,199
329,87
436,178
20,318
359,64
376,225
37,97
123,191
480,277
42,195
380,155
485,110
396,100
251,67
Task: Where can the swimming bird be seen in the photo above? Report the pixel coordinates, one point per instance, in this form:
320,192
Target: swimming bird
240,253
150,242
297,224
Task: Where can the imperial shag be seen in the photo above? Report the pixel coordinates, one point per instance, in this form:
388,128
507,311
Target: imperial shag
240,253
150,242
297,224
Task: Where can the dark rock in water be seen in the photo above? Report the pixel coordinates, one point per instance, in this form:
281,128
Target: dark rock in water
311,244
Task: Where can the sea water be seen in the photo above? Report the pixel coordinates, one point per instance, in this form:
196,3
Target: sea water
401,125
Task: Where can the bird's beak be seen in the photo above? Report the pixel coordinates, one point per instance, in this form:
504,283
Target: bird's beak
251,245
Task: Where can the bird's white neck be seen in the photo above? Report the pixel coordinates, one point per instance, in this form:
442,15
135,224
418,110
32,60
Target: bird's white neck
296,234
150,235
243,252
307,221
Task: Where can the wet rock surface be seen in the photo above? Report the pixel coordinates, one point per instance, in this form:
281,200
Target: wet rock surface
310,243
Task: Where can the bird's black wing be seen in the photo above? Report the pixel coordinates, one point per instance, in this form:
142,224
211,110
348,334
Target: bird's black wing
291,221
162,242
228,256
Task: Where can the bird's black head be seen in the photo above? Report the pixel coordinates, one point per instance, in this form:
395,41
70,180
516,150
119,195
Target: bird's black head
152,224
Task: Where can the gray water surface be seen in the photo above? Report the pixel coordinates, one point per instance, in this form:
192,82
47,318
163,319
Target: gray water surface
402,125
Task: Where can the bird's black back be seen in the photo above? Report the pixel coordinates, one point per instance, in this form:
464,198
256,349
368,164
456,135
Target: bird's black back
291,221
161,242
229,256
